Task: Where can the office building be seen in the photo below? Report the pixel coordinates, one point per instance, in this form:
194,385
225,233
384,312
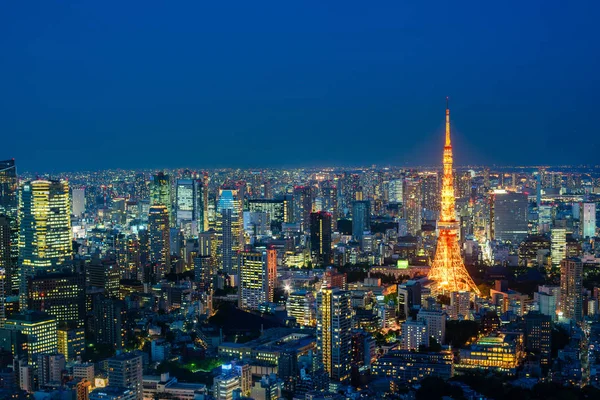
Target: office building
558,246
320,238
104,274
125,370
431,195
229,225
78,201
113,393
9,224
61,295
361,219
501,352
258,278
412,205
225,385
510,212
538,335
435,322
588,220
275,210
301,306
395,190
334,332
159,240
411,367
45,230
71,341
548,299
414,335
51,368
109,319
39,330
571,286
409,297
460,306
303,206
189,204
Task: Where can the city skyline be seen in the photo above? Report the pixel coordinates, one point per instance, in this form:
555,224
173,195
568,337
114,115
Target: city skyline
337,86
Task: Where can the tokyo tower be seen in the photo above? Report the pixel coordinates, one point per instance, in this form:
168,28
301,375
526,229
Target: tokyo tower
448,271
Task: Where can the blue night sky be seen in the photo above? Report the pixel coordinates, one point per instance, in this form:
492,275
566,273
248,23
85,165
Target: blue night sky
96,85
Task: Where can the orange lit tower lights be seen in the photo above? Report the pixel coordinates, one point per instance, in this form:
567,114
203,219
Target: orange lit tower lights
448,272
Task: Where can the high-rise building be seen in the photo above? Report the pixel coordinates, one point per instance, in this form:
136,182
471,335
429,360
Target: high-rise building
258,278
190,205
361,219
9,224
104,274
39,330
273,208
409,296
395,190
538,335
412,205
301,306
510,211
320,237
303,206
229,229
334,332
448,271
78,201
159,240
460,305
161,193
61,295
225,385
435,321
329,193
558,245
588,220
414,334
571,285
71,342
51,368
431,195
125,370
45,230
109,319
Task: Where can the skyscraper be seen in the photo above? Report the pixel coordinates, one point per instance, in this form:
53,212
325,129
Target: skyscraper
9,237
571,285
431,195
45,229
334,332
302,206
159,240
125,370
320,237
361,219
78,201
40,332
510,216
558,245
412,205
190,205
61,295
161,194
588,220
258,278
448,271
395,190
229,229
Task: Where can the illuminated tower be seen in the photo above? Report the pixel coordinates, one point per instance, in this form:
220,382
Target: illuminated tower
448,271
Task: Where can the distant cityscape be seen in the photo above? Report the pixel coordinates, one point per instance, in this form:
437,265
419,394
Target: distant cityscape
306,284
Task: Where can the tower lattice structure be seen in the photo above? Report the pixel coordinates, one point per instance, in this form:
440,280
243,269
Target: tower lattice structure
448,271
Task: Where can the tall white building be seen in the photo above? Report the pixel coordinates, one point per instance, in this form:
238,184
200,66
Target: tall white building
78,198
414,334
395,191
125,370
588,220
435,321
558,245
460,305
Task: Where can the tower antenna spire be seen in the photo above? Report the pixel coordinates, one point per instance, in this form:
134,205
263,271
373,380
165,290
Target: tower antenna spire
447,123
